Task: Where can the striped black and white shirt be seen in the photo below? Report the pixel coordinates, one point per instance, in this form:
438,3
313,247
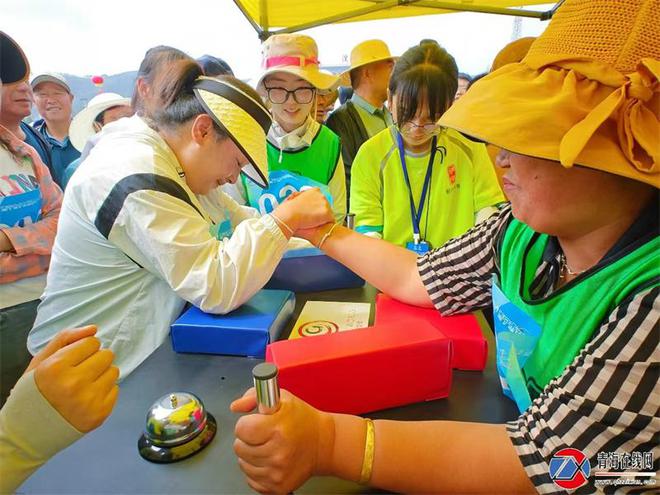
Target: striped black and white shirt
608,399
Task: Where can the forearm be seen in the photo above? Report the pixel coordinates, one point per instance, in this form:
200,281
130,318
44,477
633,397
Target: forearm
36,238
484,214
13,267
31,431
430,457
215,275
241,265
390,268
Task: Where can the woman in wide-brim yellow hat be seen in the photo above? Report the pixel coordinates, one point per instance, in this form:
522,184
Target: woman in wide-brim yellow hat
145,228
572,268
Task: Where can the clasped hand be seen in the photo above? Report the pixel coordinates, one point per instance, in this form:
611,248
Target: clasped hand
279,452
77,377
305,210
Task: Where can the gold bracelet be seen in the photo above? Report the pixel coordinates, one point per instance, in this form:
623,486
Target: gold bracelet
281,222
326,235
369,450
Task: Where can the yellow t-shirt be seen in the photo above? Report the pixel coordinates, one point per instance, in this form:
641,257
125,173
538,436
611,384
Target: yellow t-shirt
462,183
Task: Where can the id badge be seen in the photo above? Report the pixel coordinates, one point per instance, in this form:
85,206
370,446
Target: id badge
420,248
516,337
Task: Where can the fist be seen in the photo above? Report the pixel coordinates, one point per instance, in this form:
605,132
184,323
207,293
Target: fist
77,377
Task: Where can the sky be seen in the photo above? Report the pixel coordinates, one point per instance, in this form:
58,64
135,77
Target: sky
95,37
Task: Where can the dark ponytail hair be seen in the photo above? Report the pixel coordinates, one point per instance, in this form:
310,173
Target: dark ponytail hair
176,99
154,60
423,71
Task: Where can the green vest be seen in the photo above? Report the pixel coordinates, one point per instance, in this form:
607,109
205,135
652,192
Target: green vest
569,316
318,161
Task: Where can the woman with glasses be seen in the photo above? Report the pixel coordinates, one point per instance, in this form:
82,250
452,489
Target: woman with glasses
301,152
417,184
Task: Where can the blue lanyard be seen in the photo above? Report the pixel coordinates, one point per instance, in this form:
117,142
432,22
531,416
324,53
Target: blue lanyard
416,213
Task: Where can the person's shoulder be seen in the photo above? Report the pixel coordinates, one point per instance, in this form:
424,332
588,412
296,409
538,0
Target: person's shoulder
324,128
383,139
69,170
29,129
127,125
38,124
130,137
130,143
463,145
339,113
378,147
456,137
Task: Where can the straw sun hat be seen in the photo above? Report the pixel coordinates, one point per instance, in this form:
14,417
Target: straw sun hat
512,53
245,120
586,93
295,54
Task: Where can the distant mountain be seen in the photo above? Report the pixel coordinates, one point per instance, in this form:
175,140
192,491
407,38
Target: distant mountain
83,88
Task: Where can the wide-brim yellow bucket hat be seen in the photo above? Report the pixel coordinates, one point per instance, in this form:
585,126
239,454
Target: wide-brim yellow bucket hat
244,118
585,94
365,53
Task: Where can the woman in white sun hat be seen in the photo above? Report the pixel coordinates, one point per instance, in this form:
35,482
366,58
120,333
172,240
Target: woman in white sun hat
136,240
101,110
301,152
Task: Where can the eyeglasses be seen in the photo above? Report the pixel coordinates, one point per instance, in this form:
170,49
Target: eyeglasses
281,95
410,127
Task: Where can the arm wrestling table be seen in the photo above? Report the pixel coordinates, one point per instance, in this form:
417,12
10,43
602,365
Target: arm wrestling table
107,459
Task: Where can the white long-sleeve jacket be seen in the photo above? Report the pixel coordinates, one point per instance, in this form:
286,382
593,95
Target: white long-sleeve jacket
134,244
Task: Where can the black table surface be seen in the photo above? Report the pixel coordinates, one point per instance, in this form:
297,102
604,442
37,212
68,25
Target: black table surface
107,460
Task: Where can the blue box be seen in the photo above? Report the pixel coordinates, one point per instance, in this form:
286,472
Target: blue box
246,331
310,270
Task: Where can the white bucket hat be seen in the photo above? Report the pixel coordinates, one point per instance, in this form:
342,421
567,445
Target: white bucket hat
82,125
243,118
365,53
295,54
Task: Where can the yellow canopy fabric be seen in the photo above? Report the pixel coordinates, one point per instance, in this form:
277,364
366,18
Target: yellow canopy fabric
268,16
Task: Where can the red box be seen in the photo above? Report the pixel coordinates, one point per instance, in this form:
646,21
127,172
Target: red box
470,349
368,369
